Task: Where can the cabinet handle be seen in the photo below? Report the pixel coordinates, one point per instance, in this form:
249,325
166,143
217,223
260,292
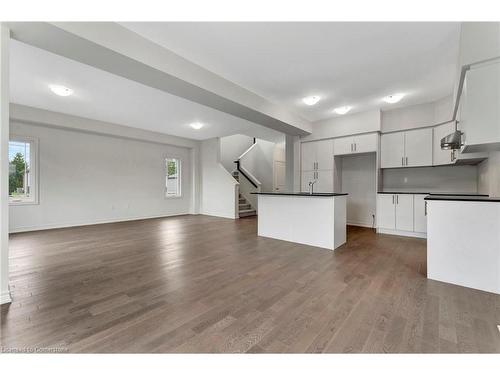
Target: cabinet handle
402,160
425,208
406,160
355,147
397,199
393,199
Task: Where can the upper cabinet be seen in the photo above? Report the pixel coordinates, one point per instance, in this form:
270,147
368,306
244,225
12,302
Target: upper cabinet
480,109
355,144
317,155
412,148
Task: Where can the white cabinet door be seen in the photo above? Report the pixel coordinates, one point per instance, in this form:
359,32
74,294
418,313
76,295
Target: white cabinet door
343,146
386,211
481,109
325,182
392,149
419,214
418,147
442,157
404,212
324,154
305,178
308,156
365,143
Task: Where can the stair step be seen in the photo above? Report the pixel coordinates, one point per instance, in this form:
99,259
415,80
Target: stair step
246,213
242,200
244,206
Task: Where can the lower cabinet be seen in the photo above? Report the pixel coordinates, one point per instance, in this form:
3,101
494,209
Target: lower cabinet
401,214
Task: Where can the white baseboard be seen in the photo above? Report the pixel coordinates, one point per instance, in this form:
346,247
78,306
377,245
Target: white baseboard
402,233
5,297
81,224
356,224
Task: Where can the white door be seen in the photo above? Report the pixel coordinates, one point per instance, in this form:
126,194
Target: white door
404,212
392,149
324,154
306,177
365,143
419,216
343,146
325,182
279,175
418,147
386,211
442,157
308,156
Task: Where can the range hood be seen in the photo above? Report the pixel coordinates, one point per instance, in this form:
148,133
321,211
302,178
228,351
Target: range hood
452,141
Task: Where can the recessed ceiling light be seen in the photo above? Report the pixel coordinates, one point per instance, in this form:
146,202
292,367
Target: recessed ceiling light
60,90
196,125
394,98
342,110
311,100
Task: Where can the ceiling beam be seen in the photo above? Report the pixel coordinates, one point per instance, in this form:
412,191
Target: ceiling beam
113,48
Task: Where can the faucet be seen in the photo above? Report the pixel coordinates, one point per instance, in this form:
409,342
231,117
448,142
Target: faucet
311,186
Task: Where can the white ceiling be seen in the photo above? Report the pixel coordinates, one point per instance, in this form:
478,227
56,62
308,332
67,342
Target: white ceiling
106,97
345,63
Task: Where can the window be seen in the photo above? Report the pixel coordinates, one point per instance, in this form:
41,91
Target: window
22,171
173,178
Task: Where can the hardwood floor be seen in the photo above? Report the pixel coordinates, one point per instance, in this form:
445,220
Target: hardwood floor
205,284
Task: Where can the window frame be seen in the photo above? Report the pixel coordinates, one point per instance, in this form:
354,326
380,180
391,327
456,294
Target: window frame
179,178
34,170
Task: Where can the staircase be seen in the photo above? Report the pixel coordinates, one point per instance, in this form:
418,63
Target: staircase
244,208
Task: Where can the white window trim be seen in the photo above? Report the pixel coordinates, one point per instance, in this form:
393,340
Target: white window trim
34,157
178,196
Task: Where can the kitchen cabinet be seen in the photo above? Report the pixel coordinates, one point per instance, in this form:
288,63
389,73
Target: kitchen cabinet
317,155
411,148
306,177
395,212
442,157
419,213
480,109
355,144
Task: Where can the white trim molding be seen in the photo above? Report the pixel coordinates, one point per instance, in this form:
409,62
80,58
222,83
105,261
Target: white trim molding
5,297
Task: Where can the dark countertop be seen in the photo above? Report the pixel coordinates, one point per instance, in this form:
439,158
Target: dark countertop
462,198
433,194
301,194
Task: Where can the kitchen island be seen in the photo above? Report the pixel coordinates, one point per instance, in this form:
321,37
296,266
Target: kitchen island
317,219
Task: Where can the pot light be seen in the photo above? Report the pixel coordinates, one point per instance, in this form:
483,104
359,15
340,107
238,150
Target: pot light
311,100
342,110
394,98
61,90
196,125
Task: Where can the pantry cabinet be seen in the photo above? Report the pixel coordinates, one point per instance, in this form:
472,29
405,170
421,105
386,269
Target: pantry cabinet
323,178
317,155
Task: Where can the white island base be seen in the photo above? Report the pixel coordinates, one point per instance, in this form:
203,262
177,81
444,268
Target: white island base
316,220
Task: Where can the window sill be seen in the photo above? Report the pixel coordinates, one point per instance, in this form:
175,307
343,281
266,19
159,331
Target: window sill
22,203
174,197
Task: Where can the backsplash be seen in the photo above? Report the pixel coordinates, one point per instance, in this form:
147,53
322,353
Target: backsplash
447,179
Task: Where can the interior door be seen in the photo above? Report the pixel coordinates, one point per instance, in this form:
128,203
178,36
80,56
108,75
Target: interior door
419,214
386,211
418,147
279,175
343,146
442,157
404,212
324,182
308,156
306,177
392,149
324,154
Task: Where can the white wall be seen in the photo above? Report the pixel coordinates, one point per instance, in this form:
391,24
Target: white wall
259,161
90,178
446,179
362,122
489,175
358,178
4,164
417,116
219,190
231,148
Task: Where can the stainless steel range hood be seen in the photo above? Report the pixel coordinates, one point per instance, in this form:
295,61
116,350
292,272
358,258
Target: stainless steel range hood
452,141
